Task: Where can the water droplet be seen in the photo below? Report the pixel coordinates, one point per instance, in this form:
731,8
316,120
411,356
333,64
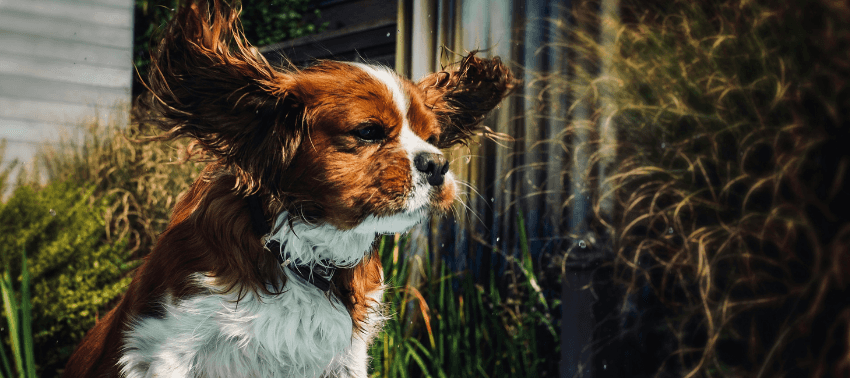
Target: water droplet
663,145
52,213
492,199
497,239
388,34
442,245
582,244
670,230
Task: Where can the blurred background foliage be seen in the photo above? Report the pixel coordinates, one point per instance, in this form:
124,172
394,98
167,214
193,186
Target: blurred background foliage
729,229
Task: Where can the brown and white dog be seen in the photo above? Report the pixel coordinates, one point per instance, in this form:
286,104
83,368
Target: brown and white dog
268,268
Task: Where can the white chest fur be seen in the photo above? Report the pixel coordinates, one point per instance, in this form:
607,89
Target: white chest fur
300,333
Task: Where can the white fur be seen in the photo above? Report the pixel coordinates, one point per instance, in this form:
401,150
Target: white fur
391,80
314,244
354,362
396,223
300,333
420,197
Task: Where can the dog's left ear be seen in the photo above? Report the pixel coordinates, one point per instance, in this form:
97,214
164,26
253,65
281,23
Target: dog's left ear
209,84
461,97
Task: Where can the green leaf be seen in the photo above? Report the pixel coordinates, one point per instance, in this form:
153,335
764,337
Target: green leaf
11,309
26,317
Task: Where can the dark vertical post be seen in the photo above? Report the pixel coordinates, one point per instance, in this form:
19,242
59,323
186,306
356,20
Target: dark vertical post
576,300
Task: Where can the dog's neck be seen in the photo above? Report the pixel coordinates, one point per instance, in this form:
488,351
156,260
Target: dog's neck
324,245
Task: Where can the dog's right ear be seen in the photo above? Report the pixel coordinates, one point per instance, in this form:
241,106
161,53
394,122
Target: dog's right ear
209,84
462,95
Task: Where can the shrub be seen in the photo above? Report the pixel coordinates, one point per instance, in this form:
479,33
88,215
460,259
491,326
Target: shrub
74,269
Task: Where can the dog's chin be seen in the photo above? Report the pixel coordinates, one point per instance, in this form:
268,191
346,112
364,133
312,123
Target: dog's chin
391,224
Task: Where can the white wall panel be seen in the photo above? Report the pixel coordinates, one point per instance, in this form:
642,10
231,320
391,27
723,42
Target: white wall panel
63,63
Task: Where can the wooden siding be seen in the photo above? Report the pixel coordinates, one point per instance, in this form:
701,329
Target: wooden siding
62,62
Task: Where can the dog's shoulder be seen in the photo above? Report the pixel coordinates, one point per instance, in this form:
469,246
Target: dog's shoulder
297,333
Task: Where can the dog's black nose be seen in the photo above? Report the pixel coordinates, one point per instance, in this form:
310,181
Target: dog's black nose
432,165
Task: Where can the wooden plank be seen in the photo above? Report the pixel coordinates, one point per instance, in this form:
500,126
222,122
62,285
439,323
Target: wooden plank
121,4
21,151
79,73
55,91
89,13
54,112
34,132
320,38
75,31
46,47
348,45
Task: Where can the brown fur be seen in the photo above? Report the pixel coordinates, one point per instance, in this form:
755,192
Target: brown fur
462,97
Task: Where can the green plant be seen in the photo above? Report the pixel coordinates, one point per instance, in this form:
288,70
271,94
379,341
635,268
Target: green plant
274,21
143,178
449,326
19,318
76,271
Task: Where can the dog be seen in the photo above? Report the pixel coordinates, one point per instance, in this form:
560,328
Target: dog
268,266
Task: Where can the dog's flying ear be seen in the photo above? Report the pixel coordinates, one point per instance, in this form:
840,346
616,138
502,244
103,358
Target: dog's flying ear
463,95
208,83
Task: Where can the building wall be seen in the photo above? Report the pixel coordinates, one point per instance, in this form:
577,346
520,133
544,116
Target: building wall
62,63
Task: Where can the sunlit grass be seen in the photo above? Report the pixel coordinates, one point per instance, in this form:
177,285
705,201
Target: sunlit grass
450,326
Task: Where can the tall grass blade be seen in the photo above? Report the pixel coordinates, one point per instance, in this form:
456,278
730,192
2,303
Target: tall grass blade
6,367
11,308
26,317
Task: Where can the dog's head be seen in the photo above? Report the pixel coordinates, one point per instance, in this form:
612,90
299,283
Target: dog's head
352,145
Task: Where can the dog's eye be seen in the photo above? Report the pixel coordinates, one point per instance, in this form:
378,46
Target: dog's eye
432,140
370,132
